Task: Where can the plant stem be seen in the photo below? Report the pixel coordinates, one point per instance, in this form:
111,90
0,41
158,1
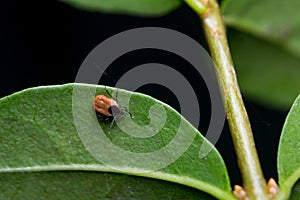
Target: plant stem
239,124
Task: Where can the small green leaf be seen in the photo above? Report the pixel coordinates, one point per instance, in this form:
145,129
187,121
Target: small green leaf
289,152
132,7
40,137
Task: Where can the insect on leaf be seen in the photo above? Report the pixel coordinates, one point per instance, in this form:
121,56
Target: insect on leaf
52,142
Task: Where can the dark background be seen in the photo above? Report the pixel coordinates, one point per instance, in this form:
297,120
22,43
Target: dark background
44,43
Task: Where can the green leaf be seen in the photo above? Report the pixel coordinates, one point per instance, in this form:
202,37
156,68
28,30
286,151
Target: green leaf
270,60
295,193
50,130
273,20
265,73
91,185
289,152
132,7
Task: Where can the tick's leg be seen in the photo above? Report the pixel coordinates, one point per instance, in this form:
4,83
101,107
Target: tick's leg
112,123
108,93
98,115
117,94
124,109
116,119
101,117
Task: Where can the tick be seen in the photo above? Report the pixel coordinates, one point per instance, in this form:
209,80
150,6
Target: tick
108,107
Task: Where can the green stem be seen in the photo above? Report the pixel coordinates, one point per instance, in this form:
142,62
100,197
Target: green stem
239,124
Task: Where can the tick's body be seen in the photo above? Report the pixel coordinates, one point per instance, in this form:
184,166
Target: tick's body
109,108
106,106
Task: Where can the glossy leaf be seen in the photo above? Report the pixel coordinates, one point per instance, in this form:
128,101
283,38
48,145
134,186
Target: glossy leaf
270,59
266,74
273,20
289,152
132,7
40,132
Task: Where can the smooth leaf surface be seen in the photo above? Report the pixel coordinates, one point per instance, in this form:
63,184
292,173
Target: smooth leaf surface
270,59
266,74
132,7
289,152
91,185
274,20
38,134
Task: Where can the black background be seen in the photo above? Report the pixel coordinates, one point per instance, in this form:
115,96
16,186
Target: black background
44,43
